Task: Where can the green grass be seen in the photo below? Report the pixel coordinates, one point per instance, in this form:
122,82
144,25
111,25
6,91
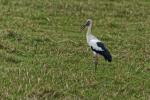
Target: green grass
43,54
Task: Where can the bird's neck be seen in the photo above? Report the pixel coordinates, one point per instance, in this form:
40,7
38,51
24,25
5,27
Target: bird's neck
89,33
89,30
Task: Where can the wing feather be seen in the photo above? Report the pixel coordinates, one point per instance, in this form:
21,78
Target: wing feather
93,44
98,47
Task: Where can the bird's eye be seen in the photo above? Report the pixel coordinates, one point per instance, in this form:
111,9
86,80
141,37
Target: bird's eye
88,23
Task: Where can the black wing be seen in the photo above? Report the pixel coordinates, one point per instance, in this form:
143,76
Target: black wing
105,53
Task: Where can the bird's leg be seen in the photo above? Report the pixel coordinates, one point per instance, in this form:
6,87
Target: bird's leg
95,60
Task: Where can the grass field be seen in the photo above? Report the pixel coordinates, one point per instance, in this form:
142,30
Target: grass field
44,56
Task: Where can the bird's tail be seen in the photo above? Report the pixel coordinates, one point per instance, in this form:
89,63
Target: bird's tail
107,55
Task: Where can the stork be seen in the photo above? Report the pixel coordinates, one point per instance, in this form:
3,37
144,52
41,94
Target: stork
97,47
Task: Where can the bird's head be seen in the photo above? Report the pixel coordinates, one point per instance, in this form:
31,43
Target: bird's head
87,24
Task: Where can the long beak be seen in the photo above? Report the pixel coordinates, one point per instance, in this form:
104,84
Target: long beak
83,27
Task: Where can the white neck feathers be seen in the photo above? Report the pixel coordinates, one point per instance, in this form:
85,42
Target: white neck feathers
89,30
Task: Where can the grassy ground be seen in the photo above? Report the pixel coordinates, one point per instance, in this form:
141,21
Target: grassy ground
43,54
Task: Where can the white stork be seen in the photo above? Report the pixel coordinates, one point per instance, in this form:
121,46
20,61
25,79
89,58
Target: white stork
96,45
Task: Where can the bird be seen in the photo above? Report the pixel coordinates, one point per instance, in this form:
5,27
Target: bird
96,45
